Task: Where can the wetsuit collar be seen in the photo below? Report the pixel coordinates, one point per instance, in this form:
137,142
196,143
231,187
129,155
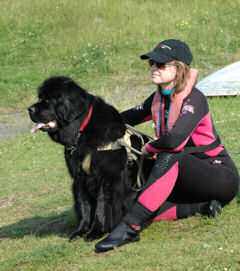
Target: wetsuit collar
166,92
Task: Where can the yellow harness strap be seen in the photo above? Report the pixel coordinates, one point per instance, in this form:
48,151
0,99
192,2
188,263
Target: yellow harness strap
86,163
111,146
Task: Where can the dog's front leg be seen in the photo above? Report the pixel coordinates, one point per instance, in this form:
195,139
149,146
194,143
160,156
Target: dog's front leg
83,209
102,214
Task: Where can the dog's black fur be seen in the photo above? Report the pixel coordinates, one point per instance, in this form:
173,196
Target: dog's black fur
102,197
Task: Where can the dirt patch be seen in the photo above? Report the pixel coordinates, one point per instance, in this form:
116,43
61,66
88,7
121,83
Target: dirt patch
14,124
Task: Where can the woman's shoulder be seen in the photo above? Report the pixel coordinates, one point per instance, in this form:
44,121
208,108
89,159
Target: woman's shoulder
197,99
197,94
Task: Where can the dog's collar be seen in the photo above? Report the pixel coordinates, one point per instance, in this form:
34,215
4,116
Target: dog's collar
81,129
85,122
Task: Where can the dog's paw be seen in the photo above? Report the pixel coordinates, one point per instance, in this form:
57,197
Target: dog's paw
92,235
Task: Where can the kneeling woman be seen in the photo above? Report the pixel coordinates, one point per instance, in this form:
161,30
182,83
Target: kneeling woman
193,173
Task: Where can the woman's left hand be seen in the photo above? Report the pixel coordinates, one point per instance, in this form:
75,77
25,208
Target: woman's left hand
148,155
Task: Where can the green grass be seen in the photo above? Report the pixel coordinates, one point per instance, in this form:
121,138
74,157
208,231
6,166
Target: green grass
36,214
98,43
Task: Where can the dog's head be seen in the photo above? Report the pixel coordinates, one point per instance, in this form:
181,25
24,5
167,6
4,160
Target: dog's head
61,101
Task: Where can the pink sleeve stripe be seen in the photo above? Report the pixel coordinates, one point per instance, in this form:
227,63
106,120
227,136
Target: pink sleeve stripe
181,146
149,148
156,194
147,119
170,214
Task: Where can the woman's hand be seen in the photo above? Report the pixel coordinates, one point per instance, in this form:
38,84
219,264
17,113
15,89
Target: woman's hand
148,155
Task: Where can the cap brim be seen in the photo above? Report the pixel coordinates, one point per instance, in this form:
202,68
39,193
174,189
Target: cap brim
160,58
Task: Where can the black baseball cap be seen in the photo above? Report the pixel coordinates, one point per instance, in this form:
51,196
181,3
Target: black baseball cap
169,50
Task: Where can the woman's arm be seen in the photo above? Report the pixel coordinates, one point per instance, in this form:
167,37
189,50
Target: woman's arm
140,113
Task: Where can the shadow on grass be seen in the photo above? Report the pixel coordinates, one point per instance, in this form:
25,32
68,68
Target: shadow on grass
62,225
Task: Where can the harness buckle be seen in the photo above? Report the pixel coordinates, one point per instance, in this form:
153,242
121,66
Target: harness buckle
73,149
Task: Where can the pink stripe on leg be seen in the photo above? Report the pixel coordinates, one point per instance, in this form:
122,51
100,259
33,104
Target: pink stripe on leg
170,214
154,196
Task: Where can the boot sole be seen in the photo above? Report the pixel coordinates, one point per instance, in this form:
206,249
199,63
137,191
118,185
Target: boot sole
119,244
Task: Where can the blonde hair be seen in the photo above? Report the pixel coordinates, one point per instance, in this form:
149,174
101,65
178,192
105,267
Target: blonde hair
183,71
182,75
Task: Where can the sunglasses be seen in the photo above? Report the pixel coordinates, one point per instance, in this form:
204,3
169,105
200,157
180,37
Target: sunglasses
160,66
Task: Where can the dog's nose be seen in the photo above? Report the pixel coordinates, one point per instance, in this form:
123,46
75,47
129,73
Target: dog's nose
31,109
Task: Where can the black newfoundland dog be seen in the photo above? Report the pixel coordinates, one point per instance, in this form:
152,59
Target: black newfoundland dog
104,178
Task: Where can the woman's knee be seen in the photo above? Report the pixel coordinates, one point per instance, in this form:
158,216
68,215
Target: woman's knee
165,161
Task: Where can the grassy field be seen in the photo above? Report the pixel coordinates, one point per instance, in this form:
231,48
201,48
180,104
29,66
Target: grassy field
98,44
36,215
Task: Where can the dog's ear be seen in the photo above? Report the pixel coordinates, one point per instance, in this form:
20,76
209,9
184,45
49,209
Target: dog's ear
63,110
73,103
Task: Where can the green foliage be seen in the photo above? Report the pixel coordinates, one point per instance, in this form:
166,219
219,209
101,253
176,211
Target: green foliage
98,43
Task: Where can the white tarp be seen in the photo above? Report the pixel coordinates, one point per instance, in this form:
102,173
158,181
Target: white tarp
223,82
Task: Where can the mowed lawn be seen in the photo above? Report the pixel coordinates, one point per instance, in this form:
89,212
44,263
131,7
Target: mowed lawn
98,44
36,215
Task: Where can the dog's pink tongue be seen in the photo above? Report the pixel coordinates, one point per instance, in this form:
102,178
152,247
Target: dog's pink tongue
37,127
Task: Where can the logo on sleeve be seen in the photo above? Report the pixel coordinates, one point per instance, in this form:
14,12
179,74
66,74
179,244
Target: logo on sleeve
139,107
187,108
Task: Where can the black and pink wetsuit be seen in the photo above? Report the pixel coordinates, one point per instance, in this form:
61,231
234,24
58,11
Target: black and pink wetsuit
181,184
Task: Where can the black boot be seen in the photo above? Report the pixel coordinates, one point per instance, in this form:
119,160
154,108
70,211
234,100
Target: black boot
120,236
208,208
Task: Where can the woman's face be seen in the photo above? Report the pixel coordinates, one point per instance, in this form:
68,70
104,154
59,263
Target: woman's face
164,75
